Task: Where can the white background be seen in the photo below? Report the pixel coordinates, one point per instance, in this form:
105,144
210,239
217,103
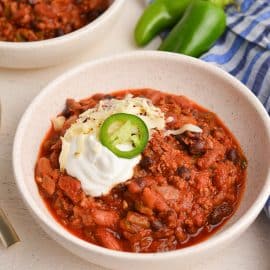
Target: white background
37,250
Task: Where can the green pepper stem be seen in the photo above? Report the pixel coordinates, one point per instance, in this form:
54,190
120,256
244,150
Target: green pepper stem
223,3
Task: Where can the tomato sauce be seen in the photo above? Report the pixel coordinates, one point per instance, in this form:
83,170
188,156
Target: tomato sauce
182,191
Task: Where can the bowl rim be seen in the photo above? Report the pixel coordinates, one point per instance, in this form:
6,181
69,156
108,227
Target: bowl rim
115,5
234,230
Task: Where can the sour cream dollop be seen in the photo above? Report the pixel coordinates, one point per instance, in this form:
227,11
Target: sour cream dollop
96,166
85,158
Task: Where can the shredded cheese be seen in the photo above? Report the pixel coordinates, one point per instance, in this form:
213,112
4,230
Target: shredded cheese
184,128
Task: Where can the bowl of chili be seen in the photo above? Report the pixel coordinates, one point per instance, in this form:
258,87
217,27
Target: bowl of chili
175,75
36,34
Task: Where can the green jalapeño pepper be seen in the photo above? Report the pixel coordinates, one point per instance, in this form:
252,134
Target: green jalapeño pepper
121,131
158,16
201,25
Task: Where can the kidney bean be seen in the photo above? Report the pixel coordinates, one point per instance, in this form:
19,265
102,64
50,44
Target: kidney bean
137,219
43,167
168,192
48,185
139,206
136,186
71,187
154,200
133,187
220,212
105,218
107,239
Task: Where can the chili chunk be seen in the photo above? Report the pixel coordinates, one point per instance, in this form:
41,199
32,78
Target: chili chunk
184,188
32,20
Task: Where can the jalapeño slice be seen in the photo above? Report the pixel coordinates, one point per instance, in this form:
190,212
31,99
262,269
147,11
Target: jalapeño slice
126,135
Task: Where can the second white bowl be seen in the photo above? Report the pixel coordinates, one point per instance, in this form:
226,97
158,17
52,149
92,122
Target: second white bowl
54,51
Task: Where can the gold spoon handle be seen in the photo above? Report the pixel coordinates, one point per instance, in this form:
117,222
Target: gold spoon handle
8,235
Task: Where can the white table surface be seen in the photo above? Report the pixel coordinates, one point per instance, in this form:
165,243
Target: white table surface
37,250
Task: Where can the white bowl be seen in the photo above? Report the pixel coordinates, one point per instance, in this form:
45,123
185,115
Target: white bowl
54,51
209,86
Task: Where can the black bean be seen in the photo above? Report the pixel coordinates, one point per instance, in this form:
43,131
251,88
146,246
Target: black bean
181,140
1,10
193,135
122,187
179,137
59,32
93,14
197,147
219,213
66,112
32,2
184,172
33,26
141,182
83,16
146,162
232,155
156,225
108,97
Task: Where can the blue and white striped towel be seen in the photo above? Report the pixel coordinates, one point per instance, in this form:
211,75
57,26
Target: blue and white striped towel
244,50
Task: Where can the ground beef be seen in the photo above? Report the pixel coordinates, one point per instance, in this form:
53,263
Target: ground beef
32,20
184,188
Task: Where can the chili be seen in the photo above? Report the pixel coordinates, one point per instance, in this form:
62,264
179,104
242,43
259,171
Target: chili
184,189
33,20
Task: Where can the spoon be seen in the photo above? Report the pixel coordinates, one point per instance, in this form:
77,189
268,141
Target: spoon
8,236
